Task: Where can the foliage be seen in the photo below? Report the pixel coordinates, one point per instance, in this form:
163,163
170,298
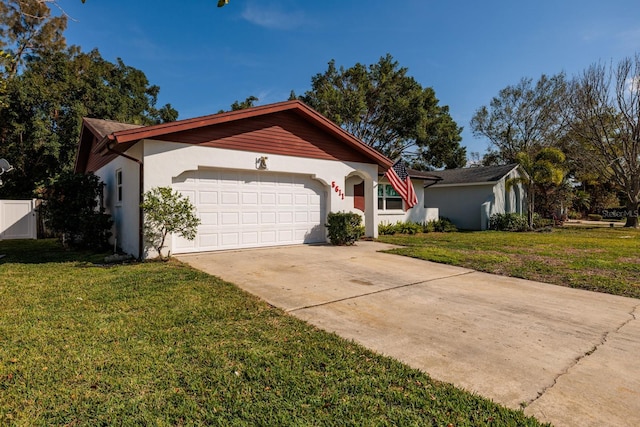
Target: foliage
389,110
508,222
27,28
247,103
603,112
73,209
600,259
344,228
167,211
594,217
163,344
522,119
39,129
442,225
545,170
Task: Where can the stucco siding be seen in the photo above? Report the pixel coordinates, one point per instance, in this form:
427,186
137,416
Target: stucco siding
419,213
124,214
461,204
165,161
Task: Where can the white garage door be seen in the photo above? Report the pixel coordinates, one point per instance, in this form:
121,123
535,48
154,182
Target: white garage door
240,209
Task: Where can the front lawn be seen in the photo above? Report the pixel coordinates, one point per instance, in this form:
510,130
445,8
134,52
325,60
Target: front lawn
163,344
597,259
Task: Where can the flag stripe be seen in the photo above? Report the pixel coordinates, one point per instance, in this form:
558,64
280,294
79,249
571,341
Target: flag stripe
400,181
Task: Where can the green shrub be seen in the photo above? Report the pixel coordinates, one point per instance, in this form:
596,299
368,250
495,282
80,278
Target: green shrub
444,225
385,229
594,217
73,210
428,226
508,222
408,228
344,228
540,222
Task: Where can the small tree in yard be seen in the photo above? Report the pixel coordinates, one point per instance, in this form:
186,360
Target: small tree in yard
167,211
73,210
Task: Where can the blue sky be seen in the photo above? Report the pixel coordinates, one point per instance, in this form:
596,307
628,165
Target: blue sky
204,58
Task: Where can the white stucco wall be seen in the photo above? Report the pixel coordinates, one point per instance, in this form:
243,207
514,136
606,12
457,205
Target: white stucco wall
418,213
125,214
167,160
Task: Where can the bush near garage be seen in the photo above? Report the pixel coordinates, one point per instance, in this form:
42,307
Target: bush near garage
345,228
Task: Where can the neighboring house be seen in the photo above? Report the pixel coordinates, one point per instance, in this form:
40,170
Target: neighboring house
262,176
469,196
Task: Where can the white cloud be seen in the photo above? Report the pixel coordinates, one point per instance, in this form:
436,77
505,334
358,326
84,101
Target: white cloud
272,17
633,84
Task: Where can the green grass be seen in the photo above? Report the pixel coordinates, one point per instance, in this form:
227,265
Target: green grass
163,344
597,259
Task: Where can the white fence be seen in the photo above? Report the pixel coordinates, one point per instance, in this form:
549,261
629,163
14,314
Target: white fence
18,219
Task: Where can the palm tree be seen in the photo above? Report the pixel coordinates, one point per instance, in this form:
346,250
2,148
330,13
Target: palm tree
546,167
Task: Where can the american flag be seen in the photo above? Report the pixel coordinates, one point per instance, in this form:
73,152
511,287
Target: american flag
400,181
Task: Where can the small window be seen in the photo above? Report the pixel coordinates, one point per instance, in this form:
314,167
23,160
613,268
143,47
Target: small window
119,186
388,198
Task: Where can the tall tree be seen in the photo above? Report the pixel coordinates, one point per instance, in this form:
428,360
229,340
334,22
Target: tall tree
389,110
603,109
40,125
522,118
28,28
247,103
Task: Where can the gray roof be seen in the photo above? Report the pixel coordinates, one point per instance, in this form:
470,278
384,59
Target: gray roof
474,175
107,127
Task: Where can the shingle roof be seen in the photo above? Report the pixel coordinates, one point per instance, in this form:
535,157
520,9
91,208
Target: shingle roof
474,175
106,127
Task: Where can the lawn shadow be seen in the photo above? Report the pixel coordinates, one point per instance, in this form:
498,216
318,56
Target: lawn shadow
42,251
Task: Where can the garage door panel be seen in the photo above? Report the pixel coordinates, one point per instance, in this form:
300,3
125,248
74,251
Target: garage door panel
208,197
285,217
208,240
229,218
268,198
250,218
208,218
249,209
285,199
229,198
250,238
250,198
302,217
268,218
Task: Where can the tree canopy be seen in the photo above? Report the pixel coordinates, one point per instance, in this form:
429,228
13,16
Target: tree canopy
28,28
48,88
603,112
390,111
523,118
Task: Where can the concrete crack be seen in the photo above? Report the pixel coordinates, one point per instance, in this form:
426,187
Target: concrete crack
603,340
377,292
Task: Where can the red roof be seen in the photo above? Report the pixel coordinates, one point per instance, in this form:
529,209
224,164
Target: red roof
120,137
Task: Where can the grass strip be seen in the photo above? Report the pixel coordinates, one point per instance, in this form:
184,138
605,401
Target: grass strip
596,259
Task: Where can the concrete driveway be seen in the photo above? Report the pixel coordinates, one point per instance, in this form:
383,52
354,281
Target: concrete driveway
570,357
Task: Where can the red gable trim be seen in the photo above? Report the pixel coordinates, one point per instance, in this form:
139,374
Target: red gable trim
129,136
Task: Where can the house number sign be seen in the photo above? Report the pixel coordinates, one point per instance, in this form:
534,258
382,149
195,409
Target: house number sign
337,189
